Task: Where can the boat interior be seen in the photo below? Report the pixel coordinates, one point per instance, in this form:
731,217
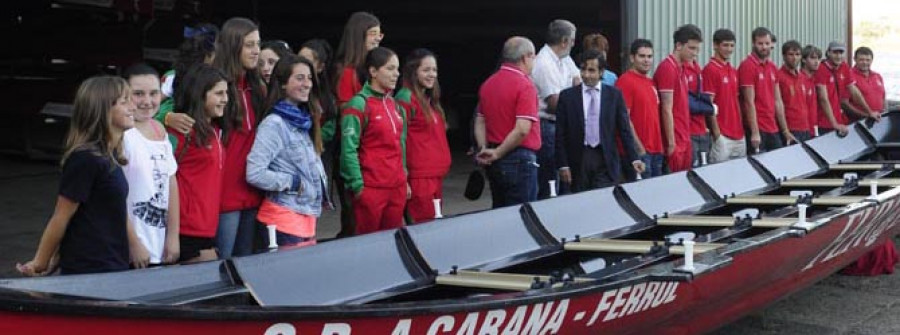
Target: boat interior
600,236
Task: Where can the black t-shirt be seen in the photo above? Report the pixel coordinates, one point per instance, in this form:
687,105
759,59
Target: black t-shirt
96,239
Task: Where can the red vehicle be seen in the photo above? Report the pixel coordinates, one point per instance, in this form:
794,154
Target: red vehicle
679,254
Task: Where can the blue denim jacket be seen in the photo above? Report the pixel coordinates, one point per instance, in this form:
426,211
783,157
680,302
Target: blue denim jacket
284,163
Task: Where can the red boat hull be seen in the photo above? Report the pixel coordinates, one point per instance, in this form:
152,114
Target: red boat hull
757,275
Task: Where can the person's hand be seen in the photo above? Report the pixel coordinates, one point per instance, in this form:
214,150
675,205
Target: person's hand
565,175
789,138
33,269
487,156
408,191
171,251
639,166
670,148
180,122
755,140
875,116
841,130
140,257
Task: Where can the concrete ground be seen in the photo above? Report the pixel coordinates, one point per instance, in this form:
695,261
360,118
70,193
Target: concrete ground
837,305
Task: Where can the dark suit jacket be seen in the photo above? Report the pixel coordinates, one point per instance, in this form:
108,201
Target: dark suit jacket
614,122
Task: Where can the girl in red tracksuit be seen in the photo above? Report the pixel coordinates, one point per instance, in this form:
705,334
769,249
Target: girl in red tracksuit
427,152
362,33
200,158
373,137
237,55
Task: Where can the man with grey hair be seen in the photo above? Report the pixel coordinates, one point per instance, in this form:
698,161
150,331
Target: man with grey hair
506,126
554,71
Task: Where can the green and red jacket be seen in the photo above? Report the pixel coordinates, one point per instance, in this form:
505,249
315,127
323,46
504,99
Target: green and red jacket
373,141
427,151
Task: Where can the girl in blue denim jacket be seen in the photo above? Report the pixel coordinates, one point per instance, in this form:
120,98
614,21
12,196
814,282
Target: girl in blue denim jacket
284,160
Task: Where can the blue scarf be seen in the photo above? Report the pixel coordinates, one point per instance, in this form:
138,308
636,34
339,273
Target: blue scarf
296,116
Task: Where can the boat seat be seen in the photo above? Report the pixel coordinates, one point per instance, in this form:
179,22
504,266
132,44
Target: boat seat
835,149
497,281
721,177
633,246
837,182
788,200
862,167
721,221
671,193
884,132
593,213
171,285
345,271
485,241
787,163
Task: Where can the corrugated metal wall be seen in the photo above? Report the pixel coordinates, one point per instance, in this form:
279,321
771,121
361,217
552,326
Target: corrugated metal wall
808,21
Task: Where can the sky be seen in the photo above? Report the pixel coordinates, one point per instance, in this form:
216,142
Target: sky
887,48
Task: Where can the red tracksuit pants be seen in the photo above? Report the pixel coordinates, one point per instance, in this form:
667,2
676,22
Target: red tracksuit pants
424,191
680,159
379,209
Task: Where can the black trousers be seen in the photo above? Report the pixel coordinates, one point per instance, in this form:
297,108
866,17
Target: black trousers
594,173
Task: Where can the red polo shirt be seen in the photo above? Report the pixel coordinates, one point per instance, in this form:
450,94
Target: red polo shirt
504,97
833,78
872,88
793,94
762,76
698,122
812,101
642,102
670,77
720,80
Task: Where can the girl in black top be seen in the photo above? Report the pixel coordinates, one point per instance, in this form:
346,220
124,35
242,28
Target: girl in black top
88,231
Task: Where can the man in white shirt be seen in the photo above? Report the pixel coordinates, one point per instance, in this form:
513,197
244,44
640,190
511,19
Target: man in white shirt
554,70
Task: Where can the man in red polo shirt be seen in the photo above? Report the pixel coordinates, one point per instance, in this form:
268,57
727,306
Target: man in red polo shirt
720,81
868,82
812,56
642,103
671,82
832,78
763,109
507,128
793,89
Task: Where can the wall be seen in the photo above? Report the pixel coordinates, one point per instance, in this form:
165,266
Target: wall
808,21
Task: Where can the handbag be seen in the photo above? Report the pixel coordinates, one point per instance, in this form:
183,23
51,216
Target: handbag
700,103
474,185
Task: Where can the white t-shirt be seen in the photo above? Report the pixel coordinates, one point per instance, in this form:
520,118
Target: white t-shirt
150,164
550,76
168,84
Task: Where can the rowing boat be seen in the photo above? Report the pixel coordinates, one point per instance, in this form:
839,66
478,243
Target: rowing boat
683,253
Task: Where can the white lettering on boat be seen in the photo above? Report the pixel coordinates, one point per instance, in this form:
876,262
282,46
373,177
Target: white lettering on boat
632,299
862,228
545,318
535,319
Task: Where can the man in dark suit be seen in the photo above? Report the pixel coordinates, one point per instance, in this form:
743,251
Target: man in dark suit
589,117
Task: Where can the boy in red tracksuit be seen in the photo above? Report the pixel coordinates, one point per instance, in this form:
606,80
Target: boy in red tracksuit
373,160
428,155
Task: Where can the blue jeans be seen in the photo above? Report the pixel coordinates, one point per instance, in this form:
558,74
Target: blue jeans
513,178
236,233
653,165
547,159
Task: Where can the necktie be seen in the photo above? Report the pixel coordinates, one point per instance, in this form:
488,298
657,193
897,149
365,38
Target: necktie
592,123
